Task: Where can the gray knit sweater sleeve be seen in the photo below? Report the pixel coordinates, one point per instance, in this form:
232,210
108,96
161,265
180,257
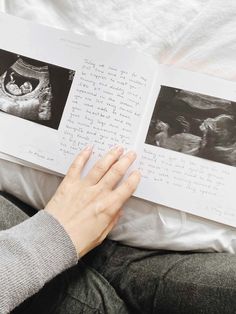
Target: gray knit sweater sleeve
31,254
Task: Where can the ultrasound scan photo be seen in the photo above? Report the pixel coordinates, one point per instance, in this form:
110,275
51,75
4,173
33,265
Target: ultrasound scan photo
33,90
194,124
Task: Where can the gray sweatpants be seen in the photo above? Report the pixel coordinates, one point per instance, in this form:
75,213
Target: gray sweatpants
115,278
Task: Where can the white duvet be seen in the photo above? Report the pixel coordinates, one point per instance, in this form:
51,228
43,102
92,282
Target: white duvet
198,35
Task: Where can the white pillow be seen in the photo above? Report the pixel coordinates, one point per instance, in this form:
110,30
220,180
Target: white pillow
143,224
31,186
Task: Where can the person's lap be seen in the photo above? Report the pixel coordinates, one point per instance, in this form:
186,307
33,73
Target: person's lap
114,275
168,282
79,290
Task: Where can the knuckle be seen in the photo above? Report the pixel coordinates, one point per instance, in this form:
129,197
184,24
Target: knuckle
119,195
117,171
98,209
104,185
129,186
99,167
97,190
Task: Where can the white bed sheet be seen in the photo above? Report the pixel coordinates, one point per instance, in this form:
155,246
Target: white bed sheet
199,35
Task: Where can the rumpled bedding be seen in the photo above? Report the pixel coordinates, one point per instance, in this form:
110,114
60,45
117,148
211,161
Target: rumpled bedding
198,35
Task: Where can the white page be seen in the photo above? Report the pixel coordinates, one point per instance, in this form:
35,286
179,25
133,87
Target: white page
109,92
195,185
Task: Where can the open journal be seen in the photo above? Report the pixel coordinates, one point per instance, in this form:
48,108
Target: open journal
60,91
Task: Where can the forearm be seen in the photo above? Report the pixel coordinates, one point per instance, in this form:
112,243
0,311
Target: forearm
31,254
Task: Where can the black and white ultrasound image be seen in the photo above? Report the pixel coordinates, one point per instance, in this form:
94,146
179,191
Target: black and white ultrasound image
32,89
194,124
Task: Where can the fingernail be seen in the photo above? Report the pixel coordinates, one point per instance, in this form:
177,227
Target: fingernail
118,149
88,148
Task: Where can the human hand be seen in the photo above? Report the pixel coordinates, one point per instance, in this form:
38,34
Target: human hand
88,208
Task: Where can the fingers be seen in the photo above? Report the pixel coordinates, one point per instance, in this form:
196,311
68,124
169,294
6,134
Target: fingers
123,192
79,163
116,198
107,171
111,212
103,165
107,207
118,170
